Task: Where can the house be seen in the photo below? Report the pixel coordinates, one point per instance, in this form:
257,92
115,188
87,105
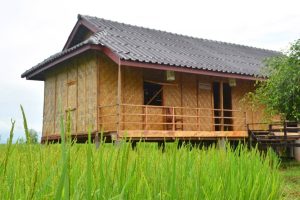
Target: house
130,81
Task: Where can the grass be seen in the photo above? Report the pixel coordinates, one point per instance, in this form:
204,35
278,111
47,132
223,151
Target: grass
80,171
290,171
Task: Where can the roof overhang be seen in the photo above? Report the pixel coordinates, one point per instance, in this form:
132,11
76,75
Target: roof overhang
38,74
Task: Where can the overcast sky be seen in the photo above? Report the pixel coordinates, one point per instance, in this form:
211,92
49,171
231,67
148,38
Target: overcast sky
32,30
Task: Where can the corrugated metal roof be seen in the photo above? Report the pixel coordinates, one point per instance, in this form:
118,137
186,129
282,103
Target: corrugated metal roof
136,43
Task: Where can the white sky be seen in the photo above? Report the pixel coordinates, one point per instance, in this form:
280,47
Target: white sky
32,30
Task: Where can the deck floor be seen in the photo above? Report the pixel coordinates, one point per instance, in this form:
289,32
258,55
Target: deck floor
196,135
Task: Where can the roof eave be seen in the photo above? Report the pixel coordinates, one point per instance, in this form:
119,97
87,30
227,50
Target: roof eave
36,74
189,70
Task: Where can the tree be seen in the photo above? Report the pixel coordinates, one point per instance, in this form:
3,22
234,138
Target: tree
33,136
280,93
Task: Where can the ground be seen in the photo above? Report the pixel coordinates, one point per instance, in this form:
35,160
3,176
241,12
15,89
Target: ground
290,171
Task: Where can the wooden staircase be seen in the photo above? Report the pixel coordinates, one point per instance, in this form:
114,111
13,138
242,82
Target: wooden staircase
283,134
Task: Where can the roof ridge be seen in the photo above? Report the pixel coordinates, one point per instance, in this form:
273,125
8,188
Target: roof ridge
187,36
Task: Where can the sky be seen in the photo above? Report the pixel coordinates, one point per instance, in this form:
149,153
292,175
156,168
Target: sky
32,30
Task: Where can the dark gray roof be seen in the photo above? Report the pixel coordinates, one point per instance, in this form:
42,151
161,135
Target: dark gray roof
136,43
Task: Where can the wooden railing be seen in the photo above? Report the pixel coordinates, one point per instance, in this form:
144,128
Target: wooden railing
148,117
275,133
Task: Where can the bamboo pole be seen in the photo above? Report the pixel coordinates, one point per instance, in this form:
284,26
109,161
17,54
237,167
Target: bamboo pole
119,99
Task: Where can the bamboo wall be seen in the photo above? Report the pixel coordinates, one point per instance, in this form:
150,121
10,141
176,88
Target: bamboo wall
132,93
88,81
72,86
108,82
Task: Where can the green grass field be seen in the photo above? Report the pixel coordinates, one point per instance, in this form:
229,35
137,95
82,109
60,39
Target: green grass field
290,172
80,171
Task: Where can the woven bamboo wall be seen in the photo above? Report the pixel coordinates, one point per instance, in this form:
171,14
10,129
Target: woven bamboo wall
238,92
172,93
189,99
49,105
205,102
132,93
72,86
61,96
72,95
108,81
91,92
81,98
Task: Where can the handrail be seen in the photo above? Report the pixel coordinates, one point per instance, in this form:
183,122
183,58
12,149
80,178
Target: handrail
273,135
170,118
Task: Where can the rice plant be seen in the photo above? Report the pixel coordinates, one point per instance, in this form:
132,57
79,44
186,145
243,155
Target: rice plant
82,171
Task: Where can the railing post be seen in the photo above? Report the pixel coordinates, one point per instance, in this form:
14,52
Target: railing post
146,116
198,120
173,119
245,118
270,128
99,118
284,130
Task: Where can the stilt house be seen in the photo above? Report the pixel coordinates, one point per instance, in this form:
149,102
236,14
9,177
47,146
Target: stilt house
137,82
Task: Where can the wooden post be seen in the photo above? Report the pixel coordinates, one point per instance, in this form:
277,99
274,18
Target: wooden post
198,120
146,116
221,106
119,99
246,125
173,119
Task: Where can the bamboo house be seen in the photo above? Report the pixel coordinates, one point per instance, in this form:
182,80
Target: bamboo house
135,82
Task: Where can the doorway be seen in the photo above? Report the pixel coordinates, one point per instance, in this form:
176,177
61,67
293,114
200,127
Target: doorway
222,106
153,94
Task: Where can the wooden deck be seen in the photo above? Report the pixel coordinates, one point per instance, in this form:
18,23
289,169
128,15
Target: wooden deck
160,123
165,118
180,135
166,122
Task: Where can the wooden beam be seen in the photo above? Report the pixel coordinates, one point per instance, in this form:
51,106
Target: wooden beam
188,70
183,134
161,83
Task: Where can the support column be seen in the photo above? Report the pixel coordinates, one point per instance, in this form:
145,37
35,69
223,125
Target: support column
119,99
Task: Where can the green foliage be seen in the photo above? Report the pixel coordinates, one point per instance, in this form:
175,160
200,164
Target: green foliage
280,93
33,135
